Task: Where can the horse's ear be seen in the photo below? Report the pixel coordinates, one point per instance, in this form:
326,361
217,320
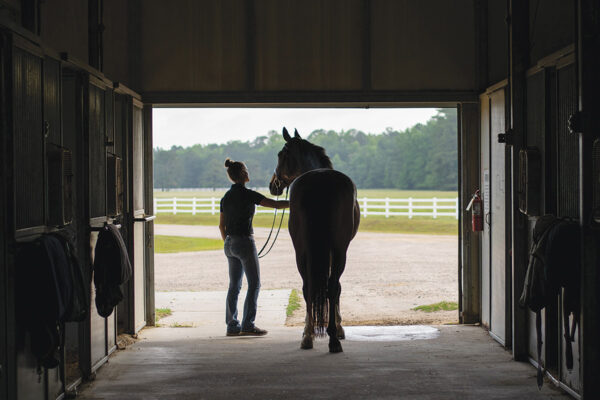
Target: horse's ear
286,135
296,134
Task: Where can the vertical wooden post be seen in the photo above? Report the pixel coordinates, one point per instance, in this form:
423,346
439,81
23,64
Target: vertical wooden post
194,206
469,265
456,207
588,65
519,63
150,206
434,207
212,205
410,208
174,205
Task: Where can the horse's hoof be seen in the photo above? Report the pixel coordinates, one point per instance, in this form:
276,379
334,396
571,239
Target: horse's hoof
341,335
335,346
307,343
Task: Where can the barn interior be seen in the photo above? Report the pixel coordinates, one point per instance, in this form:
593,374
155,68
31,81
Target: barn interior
78,83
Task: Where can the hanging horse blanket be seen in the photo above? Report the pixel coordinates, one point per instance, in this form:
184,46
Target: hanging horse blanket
111,269
50,291
554,263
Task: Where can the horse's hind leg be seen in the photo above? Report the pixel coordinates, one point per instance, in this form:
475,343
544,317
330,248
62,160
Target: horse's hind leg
338,320
340,264
333,290
309,328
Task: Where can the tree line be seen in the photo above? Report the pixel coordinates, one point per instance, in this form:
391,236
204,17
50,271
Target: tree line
421,157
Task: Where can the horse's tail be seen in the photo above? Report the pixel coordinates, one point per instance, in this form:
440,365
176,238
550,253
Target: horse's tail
319,268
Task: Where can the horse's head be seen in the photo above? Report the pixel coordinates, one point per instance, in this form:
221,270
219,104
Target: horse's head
288,165
295,158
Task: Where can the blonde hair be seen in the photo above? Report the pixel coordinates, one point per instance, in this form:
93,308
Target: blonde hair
236,171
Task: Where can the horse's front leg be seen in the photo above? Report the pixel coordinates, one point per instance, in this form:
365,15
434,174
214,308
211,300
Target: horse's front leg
333,289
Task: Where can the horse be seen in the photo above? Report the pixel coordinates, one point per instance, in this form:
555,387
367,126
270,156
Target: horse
324,218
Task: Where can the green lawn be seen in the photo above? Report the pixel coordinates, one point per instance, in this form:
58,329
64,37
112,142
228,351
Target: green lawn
293,303
162,313
441,306
177,244
418,225
372,223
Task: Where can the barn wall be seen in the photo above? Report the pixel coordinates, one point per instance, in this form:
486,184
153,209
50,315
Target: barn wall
189,45
64,27
116,19
497,44
425,45
11,10
551,27
310,45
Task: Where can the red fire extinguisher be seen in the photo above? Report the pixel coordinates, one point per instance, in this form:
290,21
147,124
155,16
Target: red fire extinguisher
476,207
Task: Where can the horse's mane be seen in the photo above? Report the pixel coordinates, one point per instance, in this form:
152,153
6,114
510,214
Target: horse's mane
319,151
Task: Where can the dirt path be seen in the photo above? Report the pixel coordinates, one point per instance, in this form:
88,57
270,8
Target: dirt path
386,274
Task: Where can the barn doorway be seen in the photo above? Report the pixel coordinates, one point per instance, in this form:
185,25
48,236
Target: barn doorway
403,265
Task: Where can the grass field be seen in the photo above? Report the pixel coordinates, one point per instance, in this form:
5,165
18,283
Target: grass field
397,224
418,225
176,244
293,303
441,306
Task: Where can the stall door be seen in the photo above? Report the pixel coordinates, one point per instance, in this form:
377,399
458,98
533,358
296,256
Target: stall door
97,211
497,218
485,195
139,271
568,190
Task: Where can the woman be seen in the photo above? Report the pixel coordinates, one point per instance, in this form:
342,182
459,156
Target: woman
237,211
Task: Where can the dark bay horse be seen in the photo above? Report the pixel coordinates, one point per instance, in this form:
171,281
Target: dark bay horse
324,218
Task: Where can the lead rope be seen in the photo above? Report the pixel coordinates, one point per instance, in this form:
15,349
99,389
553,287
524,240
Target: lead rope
260,255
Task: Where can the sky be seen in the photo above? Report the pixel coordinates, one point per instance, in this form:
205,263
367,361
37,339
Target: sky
188,126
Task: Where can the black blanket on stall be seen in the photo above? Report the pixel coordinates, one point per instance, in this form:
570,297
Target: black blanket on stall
112,268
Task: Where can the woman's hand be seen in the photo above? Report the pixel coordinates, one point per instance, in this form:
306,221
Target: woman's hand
266,202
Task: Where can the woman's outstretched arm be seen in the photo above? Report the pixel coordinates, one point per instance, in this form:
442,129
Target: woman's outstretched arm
266,202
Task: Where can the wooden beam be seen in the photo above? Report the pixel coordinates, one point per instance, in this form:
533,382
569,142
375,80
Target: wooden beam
308,98
250,45
519,63
481,41
8,381
149,208
94,34
469,260
367,53
588,57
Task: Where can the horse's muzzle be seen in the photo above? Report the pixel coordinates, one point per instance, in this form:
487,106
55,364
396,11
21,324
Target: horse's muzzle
276,186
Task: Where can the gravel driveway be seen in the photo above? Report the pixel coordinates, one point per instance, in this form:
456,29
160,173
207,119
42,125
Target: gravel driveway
386,274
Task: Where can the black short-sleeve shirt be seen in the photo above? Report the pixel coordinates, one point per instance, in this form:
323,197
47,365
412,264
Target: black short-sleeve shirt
238,204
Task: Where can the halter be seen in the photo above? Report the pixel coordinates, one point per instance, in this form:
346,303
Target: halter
260,255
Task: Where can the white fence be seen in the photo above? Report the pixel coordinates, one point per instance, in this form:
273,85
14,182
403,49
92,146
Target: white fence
388,207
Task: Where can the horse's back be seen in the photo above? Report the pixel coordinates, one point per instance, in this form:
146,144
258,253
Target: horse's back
322,206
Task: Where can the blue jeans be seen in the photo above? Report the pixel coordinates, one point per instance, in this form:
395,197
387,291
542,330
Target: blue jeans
242,257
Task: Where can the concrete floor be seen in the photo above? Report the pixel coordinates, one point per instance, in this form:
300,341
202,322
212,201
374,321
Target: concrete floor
462,362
